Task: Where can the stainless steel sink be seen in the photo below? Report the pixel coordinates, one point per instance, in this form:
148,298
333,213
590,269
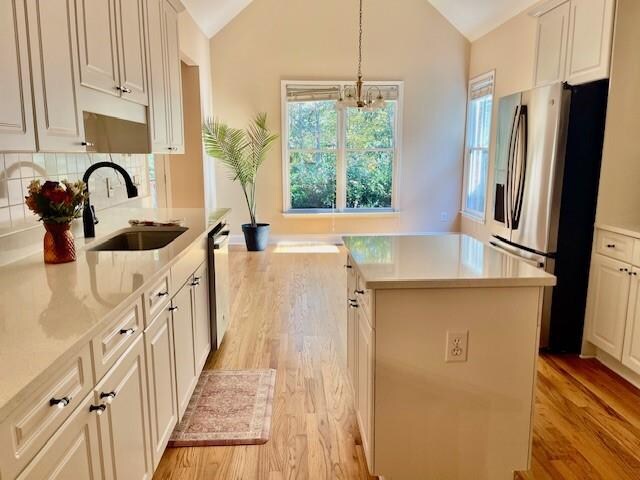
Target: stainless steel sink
137,239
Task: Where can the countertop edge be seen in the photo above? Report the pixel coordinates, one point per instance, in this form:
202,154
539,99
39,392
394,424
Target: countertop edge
34,384
628,231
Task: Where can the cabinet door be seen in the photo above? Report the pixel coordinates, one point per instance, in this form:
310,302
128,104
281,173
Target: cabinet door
186,377
74,450
364,388
131,48
54,55
352,348
551,45
158,109
124,425
607,304
590,38
174,75
161,370
201,319
631,351
98,46
17,131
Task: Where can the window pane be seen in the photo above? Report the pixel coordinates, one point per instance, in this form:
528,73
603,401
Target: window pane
312,180
370,129
369,179
313,125
477,180
479,122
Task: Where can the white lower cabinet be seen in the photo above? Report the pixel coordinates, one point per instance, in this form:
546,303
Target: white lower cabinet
364,395
631,348
201,319
360,361
123,424
161,368
183,335
607,304
73,452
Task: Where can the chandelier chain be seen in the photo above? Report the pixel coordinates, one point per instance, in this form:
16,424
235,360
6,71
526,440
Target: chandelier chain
360,43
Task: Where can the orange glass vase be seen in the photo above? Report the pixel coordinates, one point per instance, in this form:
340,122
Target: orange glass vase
59,245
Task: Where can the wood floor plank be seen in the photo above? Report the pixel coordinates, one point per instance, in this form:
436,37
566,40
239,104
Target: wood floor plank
288,314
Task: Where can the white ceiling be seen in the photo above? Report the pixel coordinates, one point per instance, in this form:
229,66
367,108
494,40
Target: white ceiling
474,18
212,15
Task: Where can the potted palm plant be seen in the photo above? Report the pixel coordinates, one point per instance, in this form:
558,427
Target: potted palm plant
243,151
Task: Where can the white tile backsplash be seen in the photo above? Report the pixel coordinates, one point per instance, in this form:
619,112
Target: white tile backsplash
18,170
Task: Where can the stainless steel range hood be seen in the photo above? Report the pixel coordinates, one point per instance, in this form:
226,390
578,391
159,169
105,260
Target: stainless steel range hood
105,134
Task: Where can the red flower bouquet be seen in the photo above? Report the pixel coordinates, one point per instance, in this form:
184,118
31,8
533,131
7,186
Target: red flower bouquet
57,204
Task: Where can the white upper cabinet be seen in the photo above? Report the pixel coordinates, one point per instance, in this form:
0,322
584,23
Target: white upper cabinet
551,45
98,46
132,53
590,38
17,131
54,59
167,124
111,42
573,42
174,74
159,110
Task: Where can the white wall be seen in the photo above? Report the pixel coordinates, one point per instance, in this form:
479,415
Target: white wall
408,40
195,50
510,51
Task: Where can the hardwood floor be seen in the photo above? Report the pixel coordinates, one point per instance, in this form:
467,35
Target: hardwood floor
288,314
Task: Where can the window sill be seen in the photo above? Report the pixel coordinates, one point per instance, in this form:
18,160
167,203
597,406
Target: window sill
364,214
474,217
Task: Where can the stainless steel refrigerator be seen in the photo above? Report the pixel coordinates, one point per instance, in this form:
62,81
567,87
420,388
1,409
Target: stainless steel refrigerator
547,167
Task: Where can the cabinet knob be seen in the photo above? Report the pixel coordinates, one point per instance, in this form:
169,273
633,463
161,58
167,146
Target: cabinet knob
127,331
99,409
108,396
348,266
611,245
196,282
163,294
359,292
173,309
172,149
87,144
122,89
60,402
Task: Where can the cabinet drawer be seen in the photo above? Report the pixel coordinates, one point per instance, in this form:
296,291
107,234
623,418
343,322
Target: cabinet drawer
29,427
614,245
365,298
115,338
157,298
635,260
189,263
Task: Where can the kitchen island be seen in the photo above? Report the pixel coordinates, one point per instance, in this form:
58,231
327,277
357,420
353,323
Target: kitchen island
442,343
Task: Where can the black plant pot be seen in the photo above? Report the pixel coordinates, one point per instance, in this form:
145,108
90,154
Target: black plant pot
256,237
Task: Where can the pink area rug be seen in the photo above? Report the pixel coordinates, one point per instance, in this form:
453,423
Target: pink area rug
228,407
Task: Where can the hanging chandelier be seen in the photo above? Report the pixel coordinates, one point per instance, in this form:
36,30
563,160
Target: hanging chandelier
358,95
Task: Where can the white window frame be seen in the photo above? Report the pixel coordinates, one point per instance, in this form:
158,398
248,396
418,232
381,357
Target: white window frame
341,166
479,217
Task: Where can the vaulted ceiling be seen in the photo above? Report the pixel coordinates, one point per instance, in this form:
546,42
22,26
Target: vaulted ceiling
473,18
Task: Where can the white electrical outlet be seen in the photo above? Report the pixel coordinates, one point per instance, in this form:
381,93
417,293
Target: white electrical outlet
457,343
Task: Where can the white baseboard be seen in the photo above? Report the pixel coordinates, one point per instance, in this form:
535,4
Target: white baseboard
614,364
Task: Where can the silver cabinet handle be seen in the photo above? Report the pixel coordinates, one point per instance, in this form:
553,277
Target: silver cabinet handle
173,309
127,331
108,396
99,409
196,282
60,402
122,89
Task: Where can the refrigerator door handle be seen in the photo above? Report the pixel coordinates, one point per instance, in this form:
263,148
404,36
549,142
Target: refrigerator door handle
522,140
513,251
510,157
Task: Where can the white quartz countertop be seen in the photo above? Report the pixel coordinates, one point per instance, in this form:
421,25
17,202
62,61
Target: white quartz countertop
48,310
438,261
